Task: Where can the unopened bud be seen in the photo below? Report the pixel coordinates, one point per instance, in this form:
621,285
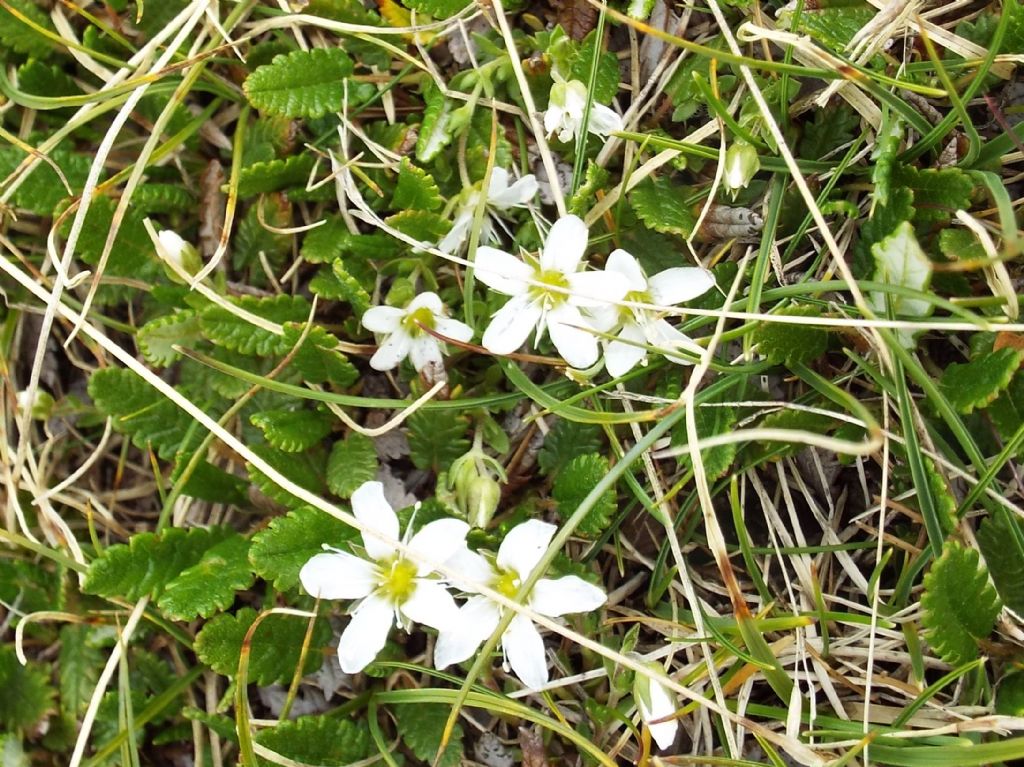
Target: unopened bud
741,163
177,253
483,500
39,406
655,701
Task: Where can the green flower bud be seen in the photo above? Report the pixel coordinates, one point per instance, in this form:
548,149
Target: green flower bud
40,407
483,500
741,163
175,252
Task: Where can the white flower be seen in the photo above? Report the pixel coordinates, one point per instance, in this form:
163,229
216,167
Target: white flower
741,164
405,338
178,252
639,327
566,104
517,556
655,701
554,301
501,196
393,589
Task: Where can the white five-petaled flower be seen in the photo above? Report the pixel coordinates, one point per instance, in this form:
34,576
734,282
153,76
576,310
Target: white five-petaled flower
393,588
566,105
523,647
501,196
547,294
404,336
655,701
640,327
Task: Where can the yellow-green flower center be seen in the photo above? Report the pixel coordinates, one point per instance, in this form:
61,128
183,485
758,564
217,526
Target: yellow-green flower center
629,314
413,321
507,583
399,581
551,284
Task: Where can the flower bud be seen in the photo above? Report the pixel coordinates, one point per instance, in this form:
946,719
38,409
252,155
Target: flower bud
40,406
741,163
176,252
655,701
482,502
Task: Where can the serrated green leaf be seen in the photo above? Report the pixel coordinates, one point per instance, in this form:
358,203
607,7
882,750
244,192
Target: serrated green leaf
209,585
157,337
320,740
421,727
301,83
27,696
263,177
416,189
350,11
593,181
323,244
801,420
211,483
238,334
938,194
42,79
436,438
1007,411
977,383
788,344
828,130
439,9
900,261
663,207
835,26
148,562
316,360
565,441
139,410
255,242
42,190
959,605
279,552
998,539
606,85
304,469
337,284
574,482
292,430
882,223
80,663
18,36
711,420
352,462
162,198
421,225
436,131
274,651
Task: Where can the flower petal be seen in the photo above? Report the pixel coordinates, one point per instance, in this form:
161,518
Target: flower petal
564,245
619,356
662,705
431,605
525,652
453,329
382,319
365,634
681,283
452,242
501,271
622,263
428,300
555,597
390,354
372,509
476,570
576,344
603,120
477,620
425,351
338,575
437,541
524,545
511,325
666,337
519,193
595,289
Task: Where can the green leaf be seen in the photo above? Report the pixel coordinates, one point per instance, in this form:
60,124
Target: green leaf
321,740
157,337
663,207
352,462
959,605
882,223
421,727
80,663
12,752
420,224
828,130
162,198
210,585
787,344
938,194
279,552
574,482
436,132
565,441
142,412
238,334
316,360
337,284
274,651
48,80
1007,411
304,469
834,26
999,538
436,438
263,177
211,483
439,9
28,693
148,562
977,383
900,261
18,36
416,189
42,190
593,181
710,420
301,83
606,85
292,430
322,245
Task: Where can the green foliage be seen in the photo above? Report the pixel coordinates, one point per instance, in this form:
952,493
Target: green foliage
336,283
263,177
416,189
827,131
80,663
439,9
977,383
663,207
157,337
316,360
436,131
279,552
421,727
900,261
959,605
209,585
565,441
149,562
43,189
606,85
436,438
238,334
18,36
301,83
938,194
1001,539
292,430
594,180
1007,411
420,225
27,692
710,420
304,469
835,26
572,485
788,344
139,410
352,462
322,740
273,652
